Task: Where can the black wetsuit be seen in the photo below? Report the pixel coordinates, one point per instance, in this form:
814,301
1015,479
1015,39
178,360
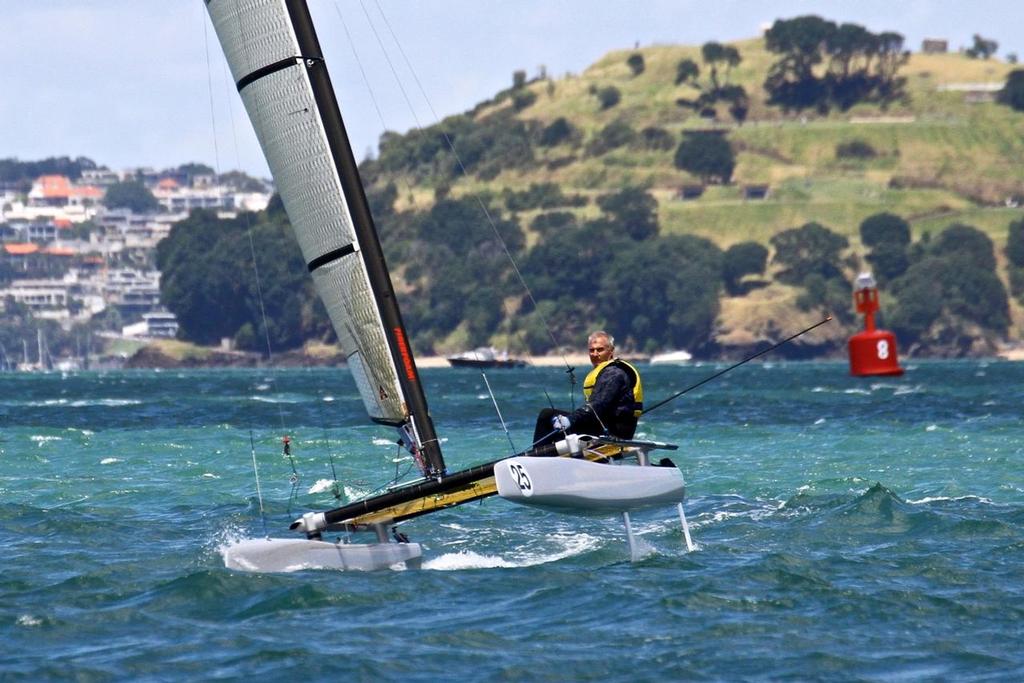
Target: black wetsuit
610,409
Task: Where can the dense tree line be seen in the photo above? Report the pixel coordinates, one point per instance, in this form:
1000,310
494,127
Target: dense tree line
943,291
822,64
208,281
719,60
23,173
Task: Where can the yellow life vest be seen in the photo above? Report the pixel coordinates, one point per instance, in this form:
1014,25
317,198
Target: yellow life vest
631,373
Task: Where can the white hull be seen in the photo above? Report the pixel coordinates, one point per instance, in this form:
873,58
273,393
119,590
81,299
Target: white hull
289,555
572,484
673,357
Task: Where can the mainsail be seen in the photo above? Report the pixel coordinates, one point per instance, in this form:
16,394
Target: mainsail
276,61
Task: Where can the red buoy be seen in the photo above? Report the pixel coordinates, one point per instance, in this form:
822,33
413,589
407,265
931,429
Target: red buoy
872,352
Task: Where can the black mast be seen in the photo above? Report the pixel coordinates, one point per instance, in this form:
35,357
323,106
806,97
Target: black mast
366,233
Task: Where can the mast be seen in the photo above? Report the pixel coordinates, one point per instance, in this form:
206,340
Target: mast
366,231
266,65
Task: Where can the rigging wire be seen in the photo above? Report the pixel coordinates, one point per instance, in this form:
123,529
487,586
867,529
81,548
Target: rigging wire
335,491
462,168
498,410
735,365
447,139
209,87
229,81
259,491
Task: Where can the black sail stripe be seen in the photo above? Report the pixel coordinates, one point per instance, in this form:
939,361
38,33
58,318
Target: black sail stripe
331,256
267,70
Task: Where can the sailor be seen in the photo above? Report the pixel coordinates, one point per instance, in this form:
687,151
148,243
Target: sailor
614,398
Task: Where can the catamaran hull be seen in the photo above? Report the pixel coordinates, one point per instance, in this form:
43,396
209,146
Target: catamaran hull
575,485
289,555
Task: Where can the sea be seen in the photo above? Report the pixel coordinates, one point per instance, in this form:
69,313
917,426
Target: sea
845,529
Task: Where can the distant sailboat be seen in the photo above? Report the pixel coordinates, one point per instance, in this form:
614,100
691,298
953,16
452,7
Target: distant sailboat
276,60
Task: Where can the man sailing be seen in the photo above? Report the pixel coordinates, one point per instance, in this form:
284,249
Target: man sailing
613,395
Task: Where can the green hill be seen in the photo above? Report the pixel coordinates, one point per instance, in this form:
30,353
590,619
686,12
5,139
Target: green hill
936,158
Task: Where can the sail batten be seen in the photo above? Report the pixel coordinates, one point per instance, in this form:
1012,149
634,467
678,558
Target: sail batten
276,62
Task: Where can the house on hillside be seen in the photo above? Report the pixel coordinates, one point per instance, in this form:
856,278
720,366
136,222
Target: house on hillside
158,324
177,198
55,196
934,46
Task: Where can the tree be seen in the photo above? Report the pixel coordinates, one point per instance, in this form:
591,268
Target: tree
131,195
966,242
686,70
791,81
861,67
809,249
657,138
616,134
523,99
983,48
633,210
949,291
636,63
608,96
1012,94
716,54
558,132
194,168
685,273
745,258
1015,243
884,229
707,155
548,223
208,281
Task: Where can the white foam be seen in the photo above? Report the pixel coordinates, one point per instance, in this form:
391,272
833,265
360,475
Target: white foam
29,620
106,402
353,493
109,461
820,421
322,485
377,441
931,428
466,559
951,499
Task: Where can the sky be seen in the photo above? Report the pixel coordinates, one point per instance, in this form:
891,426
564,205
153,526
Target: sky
132,83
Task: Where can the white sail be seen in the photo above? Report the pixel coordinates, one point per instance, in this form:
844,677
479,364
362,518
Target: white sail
258,39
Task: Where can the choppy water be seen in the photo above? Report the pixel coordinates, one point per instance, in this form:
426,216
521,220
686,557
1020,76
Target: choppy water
847,530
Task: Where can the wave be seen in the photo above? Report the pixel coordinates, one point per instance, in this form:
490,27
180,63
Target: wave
76,403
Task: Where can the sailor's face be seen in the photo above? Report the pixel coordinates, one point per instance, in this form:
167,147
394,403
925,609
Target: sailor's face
600,350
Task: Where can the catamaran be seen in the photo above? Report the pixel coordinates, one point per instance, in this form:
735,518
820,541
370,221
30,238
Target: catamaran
277,63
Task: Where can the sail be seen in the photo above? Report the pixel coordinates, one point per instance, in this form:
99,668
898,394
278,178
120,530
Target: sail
275,59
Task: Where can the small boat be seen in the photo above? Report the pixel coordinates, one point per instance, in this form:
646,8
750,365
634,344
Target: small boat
672,357
485,357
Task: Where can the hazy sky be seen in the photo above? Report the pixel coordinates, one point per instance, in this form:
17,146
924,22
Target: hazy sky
144,83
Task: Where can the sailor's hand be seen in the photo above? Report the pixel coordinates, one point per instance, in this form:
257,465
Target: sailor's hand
560,422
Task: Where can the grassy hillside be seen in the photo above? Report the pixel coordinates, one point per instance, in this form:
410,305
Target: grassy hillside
940,158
